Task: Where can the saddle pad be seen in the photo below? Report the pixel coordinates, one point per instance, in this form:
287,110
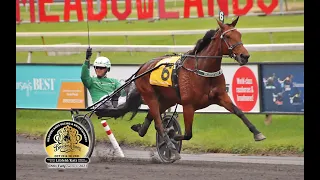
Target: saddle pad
163,75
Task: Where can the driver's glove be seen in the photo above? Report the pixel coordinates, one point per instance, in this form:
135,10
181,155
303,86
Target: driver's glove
88,54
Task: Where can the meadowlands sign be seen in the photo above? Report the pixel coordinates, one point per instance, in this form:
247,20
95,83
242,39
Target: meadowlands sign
144,9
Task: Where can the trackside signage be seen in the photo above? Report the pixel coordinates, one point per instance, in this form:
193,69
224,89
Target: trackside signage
60,87
245,88
49,87
241,84
282,87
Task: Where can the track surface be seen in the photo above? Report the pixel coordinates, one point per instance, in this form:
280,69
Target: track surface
139,165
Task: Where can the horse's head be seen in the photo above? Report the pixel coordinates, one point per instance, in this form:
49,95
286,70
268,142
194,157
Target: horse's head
232,45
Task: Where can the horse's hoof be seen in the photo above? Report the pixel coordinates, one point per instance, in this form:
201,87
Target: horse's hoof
175,155
142,131
136,127
259,137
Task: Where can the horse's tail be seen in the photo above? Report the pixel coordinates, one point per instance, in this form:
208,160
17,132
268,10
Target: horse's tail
133,100
132,104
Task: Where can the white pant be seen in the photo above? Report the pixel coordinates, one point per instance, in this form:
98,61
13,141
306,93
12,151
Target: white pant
104,105
108,104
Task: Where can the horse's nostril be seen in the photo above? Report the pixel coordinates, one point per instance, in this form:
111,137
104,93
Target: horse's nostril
244,56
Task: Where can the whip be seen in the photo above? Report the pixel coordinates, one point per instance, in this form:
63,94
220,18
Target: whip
88,28
88,33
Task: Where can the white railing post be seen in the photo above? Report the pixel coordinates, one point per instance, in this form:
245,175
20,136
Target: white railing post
174,41
29,57
98,54
271,40
127,42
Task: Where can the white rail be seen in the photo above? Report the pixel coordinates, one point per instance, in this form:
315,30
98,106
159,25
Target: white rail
146,48
155,33
150,48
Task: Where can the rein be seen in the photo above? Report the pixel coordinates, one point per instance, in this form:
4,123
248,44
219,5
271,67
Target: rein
219,72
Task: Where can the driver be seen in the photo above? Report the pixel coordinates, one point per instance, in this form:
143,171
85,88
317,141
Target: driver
101,85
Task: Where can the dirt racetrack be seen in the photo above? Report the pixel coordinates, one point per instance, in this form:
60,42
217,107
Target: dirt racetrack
30,164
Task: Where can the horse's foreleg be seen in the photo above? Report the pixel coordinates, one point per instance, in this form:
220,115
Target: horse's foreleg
188,115
225,101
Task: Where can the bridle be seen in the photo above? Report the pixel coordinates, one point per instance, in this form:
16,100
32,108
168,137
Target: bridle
217,73
230,48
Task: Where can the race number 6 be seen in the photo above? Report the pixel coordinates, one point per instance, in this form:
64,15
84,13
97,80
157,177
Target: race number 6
221,16
165,74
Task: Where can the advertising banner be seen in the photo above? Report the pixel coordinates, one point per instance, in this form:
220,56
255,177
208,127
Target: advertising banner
49,87
283,87
242,86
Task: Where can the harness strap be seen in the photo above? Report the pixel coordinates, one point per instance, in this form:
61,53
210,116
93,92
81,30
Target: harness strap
209,74
175,78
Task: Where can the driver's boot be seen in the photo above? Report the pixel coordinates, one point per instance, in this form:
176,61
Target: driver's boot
142,128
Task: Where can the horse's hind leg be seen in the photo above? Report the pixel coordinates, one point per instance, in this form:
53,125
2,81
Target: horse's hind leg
143,128
152,101
225,101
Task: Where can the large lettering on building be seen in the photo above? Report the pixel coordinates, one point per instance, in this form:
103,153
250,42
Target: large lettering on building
144,9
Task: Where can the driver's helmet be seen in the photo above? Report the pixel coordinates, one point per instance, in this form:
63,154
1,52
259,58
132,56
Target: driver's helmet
102,61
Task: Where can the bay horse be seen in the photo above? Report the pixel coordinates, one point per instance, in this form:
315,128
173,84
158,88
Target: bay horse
200,83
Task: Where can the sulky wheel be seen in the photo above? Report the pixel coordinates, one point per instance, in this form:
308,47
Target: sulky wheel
172,128
87,124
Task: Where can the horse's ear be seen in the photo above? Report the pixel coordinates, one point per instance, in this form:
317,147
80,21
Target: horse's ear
220,23
234,22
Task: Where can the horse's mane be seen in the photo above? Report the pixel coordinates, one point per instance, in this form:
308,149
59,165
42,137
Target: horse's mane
203,42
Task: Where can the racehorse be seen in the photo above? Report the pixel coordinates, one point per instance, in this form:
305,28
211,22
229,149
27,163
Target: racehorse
200,83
